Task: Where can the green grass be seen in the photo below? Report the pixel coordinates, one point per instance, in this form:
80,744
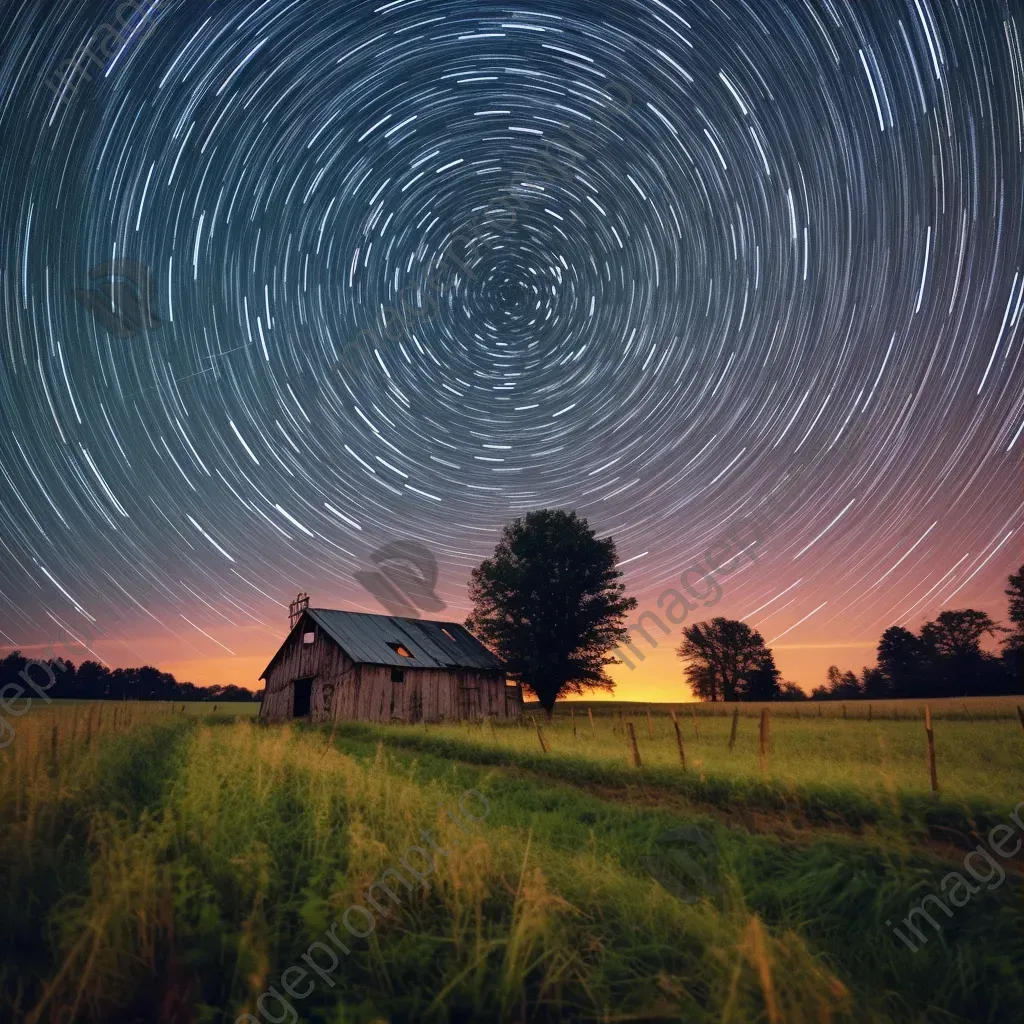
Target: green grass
976,758
168,866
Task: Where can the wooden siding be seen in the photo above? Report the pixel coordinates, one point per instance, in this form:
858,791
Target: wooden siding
343,690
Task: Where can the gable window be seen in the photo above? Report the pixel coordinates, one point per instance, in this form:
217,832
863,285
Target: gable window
400,650
397,675
308,638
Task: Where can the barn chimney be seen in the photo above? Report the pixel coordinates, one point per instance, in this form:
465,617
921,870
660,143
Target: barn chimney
296,608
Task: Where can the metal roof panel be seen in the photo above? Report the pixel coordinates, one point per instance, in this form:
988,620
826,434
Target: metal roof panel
366,639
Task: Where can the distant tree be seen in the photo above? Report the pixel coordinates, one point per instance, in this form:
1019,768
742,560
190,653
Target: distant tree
874,685
724,658
1013,644
550,604
840,686
93,681
703,683
956,663
760,683
1015,592
900,659
790,691
1014,641
957,634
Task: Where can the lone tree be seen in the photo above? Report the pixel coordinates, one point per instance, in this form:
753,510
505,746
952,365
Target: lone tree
727,660
550,604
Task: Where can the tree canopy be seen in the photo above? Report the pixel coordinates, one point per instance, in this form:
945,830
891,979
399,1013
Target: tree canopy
727,660
551,605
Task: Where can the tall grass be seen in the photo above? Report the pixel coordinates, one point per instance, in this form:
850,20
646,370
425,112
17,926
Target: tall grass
170,868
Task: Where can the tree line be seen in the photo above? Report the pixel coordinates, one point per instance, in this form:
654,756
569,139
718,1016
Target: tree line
93,681
550,603
727,660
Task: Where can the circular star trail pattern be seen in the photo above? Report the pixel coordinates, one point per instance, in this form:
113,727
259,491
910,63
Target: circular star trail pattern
419,267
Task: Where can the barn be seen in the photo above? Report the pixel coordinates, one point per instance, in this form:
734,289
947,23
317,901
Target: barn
337,665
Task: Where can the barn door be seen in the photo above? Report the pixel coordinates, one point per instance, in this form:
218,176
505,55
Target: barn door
300,703
469,696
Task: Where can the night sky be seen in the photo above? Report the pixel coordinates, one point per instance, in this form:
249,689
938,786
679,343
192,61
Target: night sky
284,282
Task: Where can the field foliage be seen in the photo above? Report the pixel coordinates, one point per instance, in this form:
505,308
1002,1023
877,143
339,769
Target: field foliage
164,865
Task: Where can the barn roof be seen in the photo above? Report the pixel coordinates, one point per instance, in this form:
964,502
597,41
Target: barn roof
366,639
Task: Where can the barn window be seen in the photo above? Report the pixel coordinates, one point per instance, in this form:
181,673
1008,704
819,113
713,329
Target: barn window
447,634
397,675
308,638
403,651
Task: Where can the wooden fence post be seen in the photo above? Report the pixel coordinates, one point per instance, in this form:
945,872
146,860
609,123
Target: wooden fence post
732,732
572,715
844,711
696,728
764,737
634,751
590,715
1020,715
679,740
621,728
540,735
869,712
650,726
819,712
930,732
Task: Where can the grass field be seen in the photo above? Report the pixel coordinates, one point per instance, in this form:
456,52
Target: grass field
164,865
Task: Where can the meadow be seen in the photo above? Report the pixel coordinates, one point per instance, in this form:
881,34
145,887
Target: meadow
170,863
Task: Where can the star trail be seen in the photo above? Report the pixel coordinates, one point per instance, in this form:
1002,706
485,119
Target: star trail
287,281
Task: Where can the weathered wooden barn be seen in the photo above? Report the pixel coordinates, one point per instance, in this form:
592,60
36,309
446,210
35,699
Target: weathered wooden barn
350,665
